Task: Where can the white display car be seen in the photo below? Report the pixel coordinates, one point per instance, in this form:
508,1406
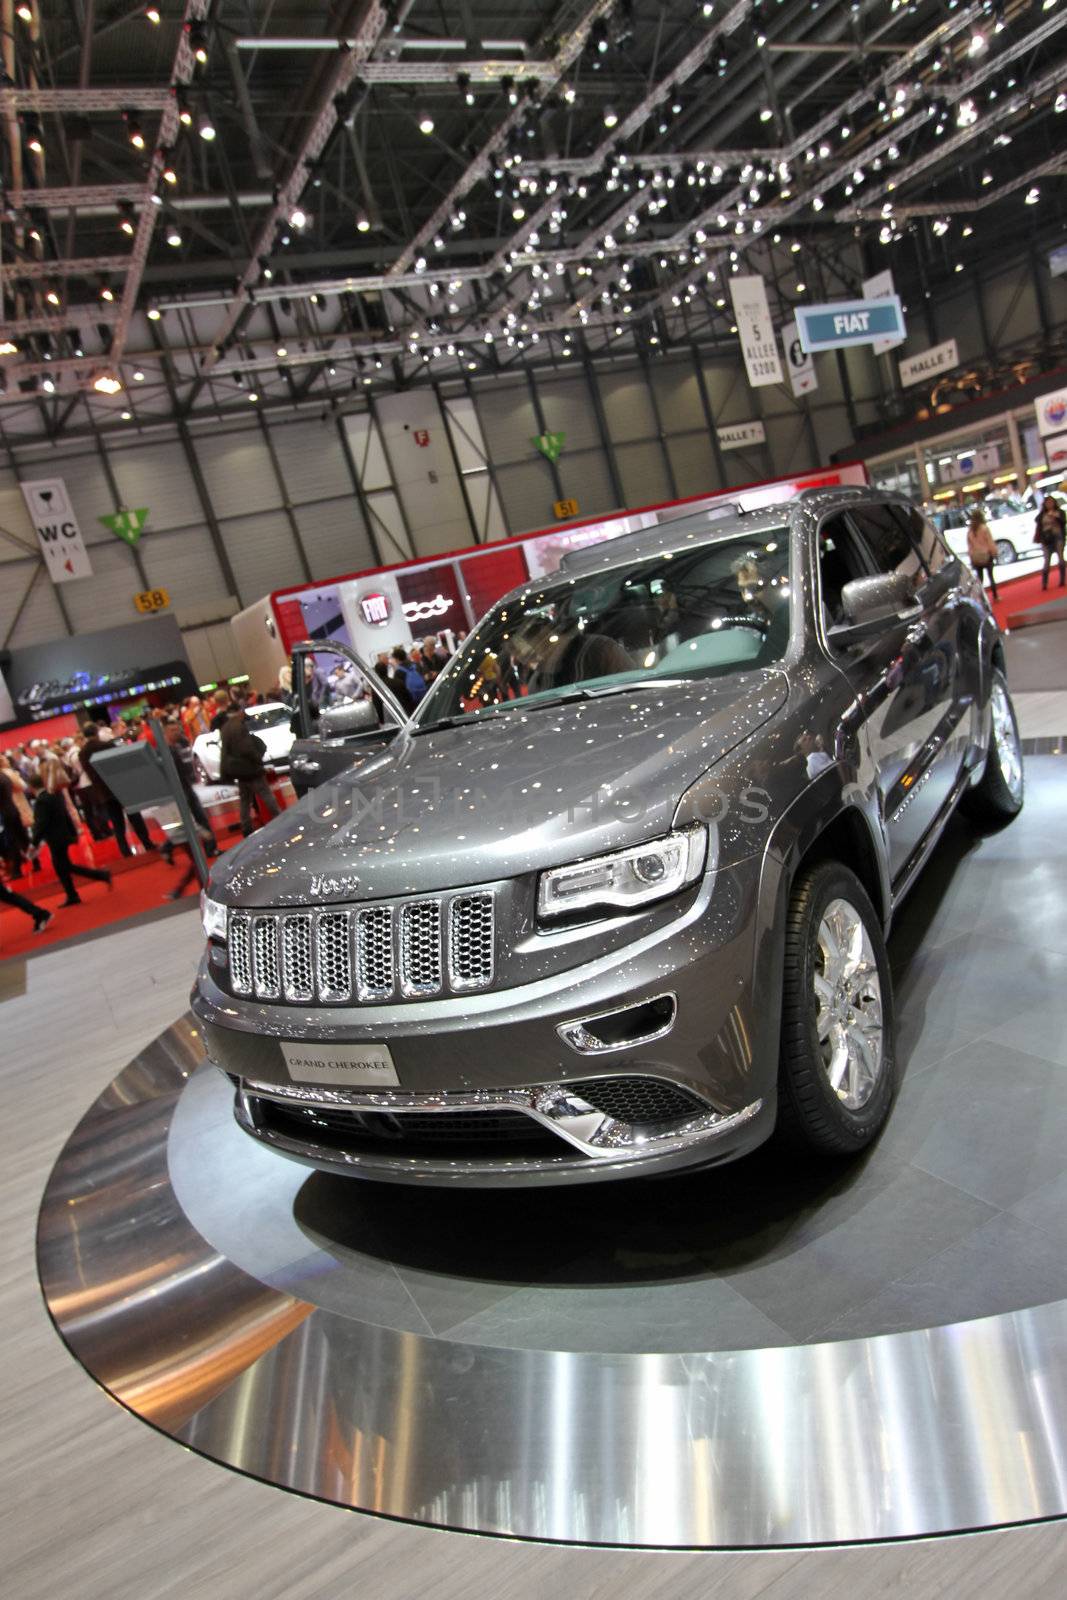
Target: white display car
1011,524
269,722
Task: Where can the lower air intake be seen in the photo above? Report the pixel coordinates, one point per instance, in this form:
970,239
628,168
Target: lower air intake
640,1100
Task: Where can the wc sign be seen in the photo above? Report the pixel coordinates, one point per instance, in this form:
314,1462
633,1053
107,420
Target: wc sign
57,529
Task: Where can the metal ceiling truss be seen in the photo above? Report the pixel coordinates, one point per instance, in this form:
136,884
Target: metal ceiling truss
569,50
325,119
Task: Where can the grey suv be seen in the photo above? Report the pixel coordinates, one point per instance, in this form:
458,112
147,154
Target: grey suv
614,900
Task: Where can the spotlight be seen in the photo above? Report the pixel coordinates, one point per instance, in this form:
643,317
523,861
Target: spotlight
463,84
1033,195
138,376
253,397
152,14
298,218
25,13
362,222
107,293
8,347
611,117
185,115
205,127
127,416
48,385
34,136
197,41
168,171
425,122
51,294
133,129
153,313
127,220
174,236
106,383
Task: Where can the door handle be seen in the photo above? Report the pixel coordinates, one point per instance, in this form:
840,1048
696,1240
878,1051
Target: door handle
304,764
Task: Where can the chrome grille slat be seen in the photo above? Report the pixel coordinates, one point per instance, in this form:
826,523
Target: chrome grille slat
369,954
333,955
375,974
239,944
297,977
420,948
471,936
265,968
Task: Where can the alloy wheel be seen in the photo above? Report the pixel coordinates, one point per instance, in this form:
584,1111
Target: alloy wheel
1006,741
848,1005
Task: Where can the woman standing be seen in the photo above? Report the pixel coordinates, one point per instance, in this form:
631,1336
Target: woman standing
54,825
1050,532
982,549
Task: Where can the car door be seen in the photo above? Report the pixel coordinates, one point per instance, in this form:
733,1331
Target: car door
343,713
915,728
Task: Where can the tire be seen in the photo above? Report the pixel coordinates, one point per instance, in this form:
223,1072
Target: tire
812,1111
1006,553
998,795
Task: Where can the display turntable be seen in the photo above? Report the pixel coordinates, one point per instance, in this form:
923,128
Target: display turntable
767,1354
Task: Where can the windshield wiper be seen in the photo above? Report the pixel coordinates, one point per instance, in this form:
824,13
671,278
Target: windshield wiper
568,697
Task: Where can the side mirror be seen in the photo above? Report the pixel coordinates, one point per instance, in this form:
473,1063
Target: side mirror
351,716
872,604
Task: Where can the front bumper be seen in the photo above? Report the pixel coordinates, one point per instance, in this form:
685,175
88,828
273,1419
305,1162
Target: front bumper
515,1054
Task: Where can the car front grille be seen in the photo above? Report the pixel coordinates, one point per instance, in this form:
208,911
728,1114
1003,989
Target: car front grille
448,1133
639,1101
372,954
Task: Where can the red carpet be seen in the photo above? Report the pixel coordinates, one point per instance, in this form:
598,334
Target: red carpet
1023,594
137,887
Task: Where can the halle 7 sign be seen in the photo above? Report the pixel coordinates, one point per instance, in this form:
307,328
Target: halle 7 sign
57,529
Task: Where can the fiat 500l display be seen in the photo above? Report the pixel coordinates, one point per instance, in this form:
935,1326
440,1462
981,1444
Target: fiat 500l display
614,900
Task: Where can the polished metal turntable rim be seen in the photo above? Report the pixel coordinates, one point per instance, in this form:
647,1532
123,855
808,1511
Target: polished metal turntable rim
905,1435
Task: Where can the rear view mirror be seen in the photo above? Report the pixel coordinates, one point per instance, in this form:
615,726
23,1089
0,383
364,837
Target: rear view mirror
883,595
871,604
351,716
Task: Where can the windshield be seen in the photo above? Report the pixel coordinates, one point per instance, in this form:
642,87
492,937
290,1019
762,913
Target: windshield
718,609
269,716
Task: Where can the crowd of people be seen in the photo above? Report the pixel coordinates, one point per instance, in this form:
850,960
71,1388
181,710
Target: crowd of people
51,794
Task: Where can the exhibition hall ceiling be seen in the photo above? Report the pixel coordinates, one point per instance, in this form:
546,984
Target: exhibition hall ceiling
215,204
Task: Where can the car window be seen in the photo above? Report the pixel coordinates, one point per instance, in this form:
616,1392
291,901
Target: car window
933,552
720,608
888,540
841,558
269,716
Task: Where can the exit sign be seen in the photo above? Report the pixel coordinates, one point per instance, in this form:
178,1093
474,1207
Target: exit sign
845,322
565,509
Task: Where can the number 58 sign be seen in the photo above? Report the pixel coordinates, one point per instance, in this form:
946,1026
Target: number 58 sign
152,600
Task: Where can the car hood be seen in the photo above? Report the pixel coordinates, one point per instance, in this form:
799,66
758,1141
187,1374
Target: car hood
512,794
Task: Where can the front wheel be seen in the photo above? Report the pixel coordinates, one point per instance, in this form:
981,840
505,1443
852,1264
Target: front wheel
1006,553
998,795
837,1065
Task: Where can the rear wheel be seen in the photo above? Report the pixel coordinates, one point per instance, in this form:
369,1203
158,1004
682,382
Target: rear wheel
998,795
837,1066
1006,552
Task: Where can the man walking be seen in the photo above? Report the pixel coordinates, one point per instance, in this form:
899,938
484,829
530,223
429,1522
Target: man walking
241,762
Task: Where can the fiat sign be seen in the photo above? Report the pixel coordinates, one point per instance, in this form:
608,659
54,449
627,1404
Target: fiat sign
375,609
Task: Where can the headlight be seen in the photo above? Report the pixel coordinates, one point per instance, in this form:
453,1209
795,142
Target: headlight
626,878
213,918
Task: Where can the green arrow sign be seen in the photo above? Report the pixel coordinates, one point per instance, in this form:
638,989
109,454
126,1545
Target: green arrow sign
549,444
126,524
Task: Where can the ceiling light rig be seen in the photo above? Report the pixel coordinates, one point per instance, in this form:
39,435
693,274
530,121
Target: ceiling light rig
198,41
